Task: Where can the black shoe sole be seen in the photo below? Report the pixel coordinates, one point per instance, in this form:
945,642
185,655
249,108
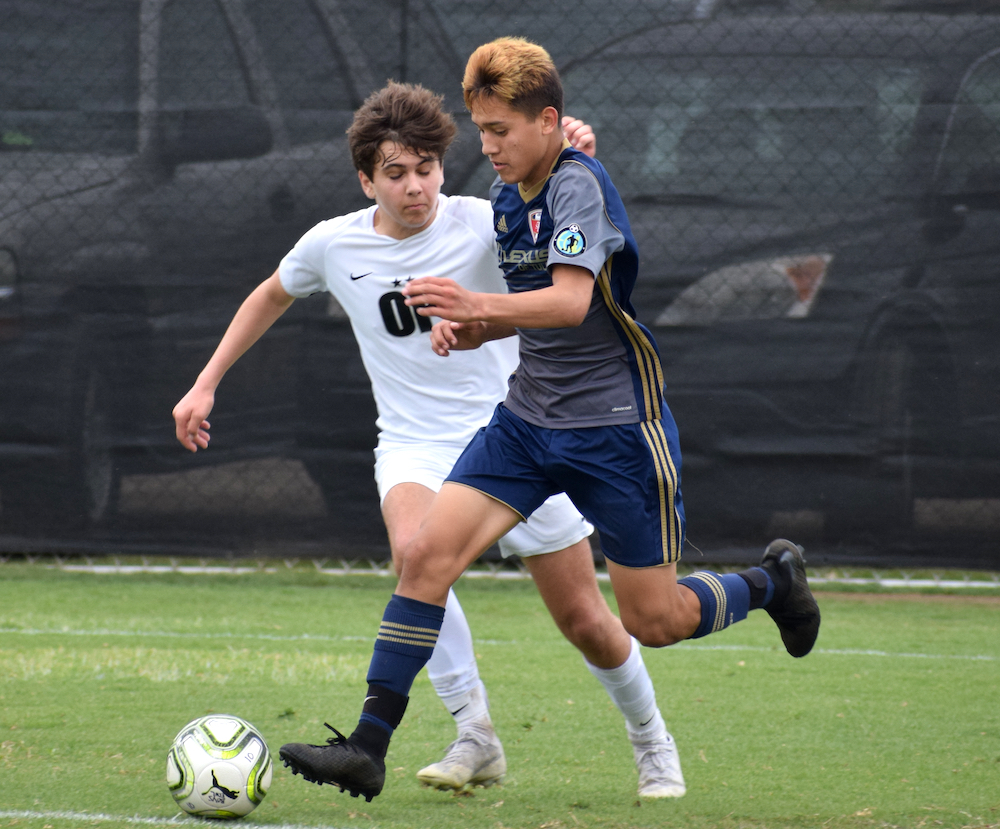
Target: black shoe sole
308,776
798,616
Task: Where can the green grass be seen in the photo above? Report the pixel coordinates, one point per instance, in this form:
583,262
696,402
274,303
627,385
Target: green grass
893,721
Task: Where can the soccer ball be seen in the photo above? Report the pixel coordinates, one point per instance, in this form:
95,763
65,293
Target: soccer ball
218,766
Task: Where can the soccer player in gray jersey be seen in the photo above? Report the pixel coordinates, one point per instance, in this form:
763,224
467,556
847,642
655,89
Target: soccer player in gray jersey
585,415
429,409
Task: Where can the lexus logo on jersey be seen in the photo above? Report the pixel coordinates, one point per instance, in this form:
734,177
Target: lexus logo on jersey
535,223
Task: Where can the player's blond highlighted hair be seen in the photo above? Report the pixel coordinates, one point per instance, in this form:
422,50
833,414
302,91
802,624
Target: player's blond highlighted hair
516,72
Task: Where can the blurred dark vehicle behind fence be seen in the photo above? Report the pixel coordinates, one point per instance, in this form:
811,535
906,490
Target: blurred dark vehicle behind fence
815,191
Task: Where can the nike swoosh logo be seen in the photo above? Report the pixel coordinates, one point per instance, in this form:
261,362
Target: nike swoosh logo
368,698
642,724
453,713
360,276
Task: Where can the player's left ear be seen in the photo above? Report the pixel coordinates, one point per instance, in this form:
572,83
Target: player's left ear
549,120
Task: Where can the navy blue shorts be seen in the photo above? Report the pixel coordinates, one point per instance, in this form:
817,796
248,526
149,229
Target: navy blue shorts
624,479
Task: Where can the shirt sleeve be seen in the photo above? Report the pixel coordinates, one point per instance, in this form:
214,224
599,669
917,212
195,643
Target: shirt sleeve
302,271
582,233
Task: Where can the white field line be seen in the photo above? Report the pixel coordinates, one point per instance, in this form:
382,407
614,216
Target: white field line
312,637
221,570
845,652
169,634
93,817
905,583
517,575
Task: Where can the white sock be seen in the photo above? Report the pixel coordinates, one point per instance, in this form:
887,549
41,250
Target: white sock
631,690
453,670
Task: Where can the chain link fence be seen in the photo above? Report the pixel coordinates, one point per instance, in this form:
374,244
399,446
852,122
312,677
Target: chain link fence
814,186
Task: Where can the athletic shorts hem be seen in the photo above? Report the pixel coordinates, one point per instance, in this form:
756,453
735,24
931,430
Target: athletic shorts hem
491,497
642,566
586,530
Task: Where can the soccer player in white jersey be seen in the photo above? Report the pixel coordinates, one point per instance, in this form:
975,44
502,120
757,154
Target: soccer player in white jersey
429,409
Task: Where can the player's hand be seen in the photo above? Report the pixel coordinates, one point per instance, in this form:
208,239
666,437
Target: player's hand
190,419
447,336
580,135
435,296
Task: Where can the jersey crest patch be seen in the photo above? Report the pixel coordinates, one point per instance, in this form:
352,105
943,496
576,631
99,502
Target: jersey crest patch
535,223
570,241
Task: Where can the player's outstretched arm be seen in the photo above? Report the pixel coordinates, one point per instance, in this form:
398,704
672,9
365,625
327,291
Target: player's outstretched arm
564,304
258,312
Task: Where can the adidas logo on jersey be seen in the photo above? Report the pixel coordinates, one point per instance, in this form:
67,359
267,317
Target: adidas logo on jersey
502,225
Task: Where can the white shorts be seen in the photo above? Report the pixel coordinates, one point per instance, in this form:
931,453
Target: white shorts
555,525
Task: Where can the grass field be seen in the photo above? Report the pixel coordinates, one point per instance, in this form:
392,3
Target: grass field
893,721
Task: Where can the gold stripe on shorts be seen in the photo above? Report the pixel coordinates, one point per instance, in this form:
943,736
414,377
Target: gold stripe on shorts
666,478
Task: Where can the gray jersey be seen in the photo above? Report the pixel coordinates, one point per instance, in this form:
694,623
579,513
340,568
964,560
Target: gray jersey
605,371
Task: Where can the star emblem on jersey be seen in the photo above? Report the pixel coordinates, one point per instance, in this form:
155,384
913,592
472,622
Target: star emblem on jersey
570,241
535,223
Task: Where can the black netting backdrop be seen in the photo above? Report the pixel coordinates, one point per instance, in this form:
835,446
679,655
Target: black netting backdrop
814,186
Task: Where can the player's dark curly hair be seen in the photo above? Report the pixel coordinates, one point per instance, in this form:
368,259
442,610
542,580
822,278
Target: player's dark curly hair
406,114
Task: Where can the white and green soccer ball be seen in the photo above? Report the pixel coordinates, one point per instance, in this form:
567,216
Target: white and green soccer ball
219,767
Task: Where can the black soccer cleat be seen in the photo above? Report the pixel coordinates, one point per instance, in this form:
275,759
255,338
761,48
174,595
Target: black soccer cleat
796,614
338,763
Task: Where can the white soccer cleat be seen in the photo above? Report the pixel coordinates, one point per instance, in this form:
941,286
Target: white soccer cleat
476,758
659,765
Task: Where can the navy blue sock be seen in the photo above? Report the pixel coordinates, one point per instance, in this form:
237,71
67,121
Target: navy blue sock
405,642
761,585
725,599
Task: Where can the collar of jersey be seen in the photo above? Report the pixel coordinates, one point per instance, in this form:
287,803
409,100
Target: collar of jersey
528,195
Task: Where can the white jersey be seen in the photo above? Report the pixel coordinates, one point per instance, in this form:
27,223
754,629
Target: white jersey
420,396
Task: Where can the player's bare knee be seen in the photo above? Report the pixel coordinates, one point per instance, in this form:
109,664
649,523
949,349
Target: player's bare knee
427,572
397,562
583,628
413,563
409,556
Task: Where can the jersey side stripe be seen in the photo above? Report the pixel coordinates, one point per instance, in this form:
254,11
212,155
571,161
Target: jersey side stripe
650,370
604,280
